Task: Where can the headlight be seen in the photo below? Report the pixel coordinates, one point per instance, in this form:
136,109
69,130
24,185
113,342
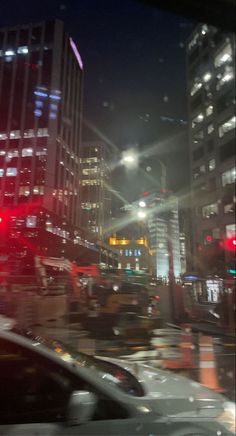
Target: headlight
227,418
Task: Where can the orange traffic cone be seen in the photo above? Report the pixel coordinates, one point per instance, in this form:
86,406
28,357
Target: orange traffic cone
186,344
207,365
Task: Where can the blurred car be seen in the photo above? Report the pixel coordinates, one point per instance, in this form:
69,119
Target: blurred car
47,390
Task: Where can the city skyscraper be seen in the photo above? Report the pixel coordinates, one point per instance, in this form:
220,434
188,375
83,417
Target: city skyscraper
159,212
41,89
95,188
211,101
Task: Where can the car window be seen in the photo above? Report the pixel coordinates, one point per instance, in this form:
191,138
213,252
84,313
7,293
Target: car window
35,389
110,372
32,389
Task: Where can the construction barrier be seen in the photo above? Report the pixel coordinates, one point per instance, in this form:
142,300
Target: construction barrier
186,360
207,364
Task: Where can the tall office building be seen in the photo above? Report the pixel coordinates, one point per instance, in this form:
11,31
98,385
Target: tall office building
95,188
41,87
159,212
211,98
163,225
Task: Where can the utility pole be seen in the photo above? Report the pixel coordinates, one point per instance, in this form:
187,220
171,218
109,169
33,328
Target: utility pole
171,267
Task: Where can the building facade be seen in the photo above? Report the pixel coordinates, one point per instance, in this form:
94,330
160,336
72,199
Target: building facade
41,90
160,217
163,225
95,188
211,102
132,253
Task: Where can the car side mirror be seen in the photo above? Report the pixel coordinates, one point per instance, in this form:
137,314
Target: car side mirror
81,407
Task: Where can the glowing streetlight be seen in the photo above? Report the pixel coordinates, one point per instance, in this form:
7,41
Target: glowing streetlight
129,158
141,214
142,203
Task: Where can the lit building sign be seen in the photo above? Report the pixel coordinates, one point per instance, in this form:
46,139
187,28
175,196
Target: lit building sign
76,53
214,288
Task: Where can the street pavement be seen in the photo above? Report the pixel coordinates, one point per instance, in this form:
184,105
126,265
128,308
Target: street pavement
164,344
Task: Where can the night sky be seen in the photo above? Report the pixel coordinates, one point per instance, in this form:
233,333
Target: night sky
134,62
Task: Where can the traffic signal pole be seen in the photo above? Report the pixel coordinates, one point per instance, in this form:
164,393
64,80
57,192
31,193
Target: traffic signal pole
171,270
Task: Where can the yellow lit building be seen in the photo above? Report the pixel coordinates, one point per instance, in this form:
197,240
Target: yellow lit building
132,253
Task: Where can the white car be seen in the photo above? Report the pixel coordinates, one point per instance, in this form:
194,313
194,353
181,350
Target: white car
46,390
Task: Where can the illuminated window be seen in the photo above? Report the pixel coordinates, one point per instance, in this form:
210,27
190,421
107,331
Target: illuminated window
204,29
41,152
1,172
228,176
211,164
90,206
224,56
210,128
3,136
207,76
230,230
42,132
209,110
15,134
224,78
89,160
198,119
38,190
12,153
210,210
24,191
90,182
29,133
23,50
227,126
11,172
195,88
27,152
89,171
9,52
31,221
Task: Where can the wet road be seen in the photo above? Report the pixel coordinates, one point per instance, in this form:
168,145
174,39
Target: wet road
164,344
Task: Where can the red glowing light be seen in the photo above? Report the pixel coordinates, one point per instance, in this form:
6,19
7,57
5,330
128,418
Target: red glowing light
209,238
231,243
145,193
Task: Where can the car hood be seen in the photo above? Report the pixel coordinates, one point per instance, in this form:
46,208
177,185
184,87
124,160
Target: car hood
174,395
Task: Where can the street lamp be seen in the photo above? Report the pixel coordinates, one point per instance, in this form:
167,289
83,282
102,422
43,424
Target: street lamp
142,204
129,158
141,214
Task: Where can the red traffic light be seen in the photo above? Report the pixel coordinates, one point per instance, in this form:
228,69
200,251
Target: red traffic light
230,243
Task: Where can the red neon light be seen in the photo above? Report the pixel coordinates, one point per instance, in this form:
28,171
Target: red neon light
231,243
